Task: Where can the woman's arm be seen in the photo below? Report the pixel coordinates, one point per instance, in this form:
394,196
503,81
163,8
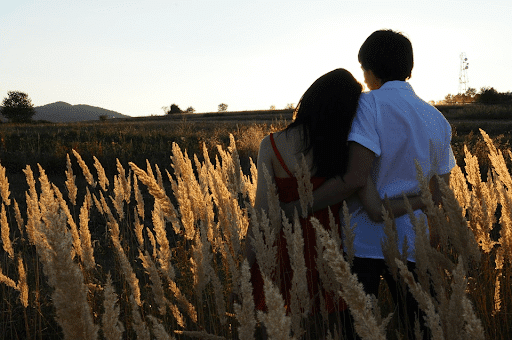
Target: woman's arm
264,160
260,202
372,202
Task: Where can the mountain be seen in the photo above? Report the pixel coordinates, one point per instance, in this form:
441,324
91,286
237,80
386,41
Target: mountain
61,112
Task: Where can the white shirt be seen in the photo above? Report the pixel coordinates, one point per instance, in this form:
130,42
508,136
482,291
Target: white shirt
399,128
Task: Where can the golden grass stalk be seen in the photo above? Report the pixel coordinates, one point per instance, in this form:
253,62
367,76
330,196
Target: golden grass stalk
85,169
22,285
70,181
200,254
4,186
274,210
77,244
19,219
218,291
152,241
303,176
183,301
263,242
424,300
181,193
139,326
164,250
348,232
5,231
159,194
499,275
138,227
158,329
469,326
138,197
461,237
233,221
497,161
102,178
390,243
460,187
85,235
365,322
33,211
126,267
125,181
98,204
237,169
112,327
177,315
156,286
118,199
159,178
277,323
251,182
505,239
149,170
70,293
7,281
245,312
299,294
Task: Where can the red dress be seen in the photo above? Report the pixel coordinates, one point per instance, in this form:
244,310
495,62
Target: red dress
287,189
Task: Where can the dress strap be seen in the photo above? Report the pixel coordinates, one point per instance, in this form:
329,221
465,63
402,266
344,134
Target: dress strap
278,155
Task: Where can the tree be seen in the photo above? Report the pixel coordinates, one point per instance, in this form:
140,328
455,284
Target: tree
17,107
449,99
223,107
171,109
272,107
190,109
488,95
471,92
290,106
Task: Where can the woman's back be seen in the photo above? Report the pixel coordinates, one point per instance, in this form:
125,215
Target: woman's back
287,189
289,145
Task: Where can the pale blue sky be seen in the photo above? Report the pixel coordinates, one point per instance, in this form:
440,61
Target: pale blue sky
136,56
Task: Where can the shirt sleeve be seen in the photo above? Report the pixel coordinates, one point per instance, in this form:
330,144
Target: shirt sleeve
364,126
445,156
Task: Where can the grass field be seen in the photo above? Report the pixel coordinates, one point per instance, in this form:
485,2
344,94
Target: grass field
148,246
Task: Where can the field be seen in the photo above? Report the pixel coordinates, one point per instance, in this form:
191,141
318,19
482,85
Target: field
135,229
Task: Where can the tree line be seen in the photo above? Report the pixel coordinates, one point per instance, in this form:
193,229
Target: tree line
486,95
17,107
169,110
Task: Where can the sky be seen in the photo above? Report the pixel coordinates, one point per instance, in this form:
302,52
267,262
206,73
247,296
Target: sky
135,57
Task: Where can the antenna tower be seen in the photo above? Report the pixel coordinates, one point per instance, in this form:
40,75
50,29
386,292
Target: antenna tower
463,74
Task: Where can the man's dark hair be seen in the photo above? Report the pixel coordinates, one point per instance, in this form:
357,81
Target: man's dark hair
388,54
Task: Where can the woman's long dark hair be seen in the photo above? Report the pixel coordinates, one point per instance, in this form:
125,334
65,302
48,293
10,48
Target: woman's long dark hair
325,113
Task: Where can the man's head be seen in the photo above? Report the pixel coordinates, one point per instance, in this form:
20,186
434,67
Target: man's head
388,55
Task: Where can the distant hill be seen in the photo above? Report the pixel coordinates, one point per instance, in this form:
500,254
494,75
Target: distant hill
61,112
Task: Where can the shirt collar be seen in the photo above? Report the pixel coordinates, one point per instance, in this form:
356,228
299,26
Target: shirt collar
396,84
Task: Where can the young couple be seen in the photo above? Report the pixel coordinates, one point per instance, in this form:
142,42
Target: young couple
360,147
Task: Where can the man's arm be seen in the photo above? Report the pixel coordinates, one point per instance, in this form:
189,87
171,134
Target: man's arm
337,189
372,202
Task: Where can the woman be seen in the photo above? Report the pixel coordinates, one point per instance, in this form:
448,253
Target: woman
319,131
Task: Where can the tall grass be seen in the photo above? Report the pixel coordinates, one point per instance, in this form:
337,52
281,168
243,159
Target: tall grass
155,253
